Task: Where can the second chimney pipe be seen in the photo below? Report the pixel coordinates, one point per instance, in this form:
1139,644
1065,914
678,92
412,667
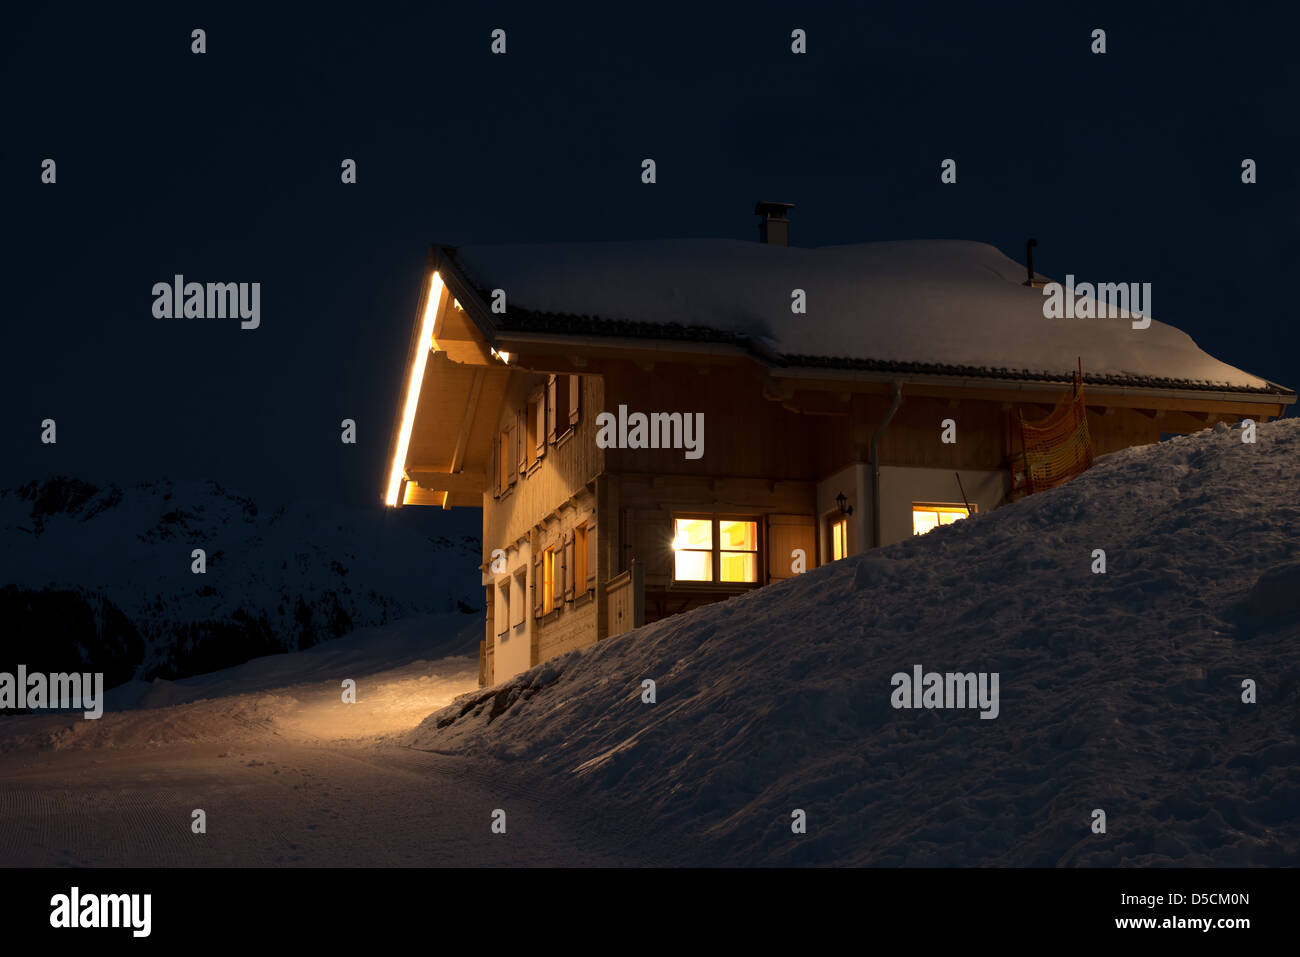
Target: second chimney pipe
774,227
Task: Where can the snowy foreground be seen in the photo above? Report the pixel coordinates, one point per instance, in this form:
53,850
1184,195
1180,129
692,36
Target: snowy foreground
286,773
1119,691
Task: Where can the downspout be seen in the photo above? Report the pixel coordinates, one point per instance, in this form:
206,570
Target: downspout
875,463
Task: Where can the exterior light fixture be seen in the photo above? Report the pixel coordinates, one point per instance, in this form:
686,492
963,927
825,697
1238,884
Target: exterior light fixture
843,503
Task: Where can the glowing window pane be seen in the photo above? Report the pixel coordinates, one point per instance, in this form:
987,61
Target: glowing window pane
548,581
738,536
839,539
926,518
693,533
693,566
738,561
739,567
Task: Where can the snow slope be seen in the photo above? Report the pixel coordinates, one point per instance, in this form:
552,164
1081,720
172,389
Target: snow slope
100,576
1118,691
947,302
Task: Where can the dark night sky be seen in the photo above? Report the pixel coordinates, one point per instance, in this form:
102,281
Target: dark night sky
225,167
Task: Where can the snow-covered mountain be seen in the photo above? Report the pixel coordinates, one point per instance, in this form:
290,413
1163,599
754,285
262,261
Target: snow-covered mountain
1123,691
99,577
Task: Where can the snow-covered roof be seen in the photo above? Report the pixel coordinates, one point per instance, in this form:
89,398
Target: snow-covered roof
941,306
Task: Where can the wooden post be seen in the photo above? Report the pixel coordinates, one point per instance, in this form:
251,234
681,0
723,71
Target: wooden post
638,594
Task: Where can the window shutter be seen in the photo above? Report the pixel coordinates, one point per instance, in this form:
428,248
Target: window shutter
537,587
579,573
541,424
575,398
496,466
570,570
590,571
552,408
518,598
521,438
557,591
511,472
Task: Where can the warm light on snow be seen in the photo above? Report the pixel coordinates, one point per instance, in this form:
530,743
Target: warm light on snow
413,389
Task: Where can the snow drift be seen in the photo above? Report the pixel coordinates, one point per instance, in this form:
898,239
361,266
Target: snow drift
1120,691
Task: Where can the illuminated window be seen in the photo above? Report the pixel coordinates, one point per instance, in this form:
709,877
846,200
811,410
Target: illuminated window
927,516
703,545
839,537
738,549
693,549
548,581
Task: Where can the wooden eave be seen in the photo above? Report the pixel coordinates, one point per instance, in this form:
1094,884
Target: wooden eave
449,452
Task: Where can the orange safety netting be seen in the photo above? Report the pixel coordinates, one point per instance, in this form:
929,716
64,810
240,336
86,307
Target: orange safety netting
1057,448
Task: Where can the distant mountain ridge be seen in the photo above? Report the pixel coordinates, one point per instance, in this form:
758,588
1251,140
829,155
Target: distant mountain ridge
98,576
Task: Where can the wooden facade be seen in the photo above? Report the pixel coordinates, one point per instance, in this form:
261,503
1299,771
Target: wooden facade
582,542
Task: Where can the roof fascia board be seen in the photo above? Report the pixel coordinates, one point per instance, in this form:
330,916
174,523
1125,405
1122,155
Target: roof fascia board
512,339
465,293
421,304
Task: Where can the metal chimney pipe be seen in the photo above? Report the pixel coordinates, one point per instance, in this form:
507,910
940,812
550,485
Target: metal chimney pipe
774,227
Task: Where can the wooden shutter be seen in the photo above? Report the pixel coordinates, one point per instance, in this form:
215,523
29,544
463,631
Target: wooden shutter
537,587
570,570
519,598
496,466
785,533
552,408
512,473
591,556
541,423
521,440
575,398
579,572
557,577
